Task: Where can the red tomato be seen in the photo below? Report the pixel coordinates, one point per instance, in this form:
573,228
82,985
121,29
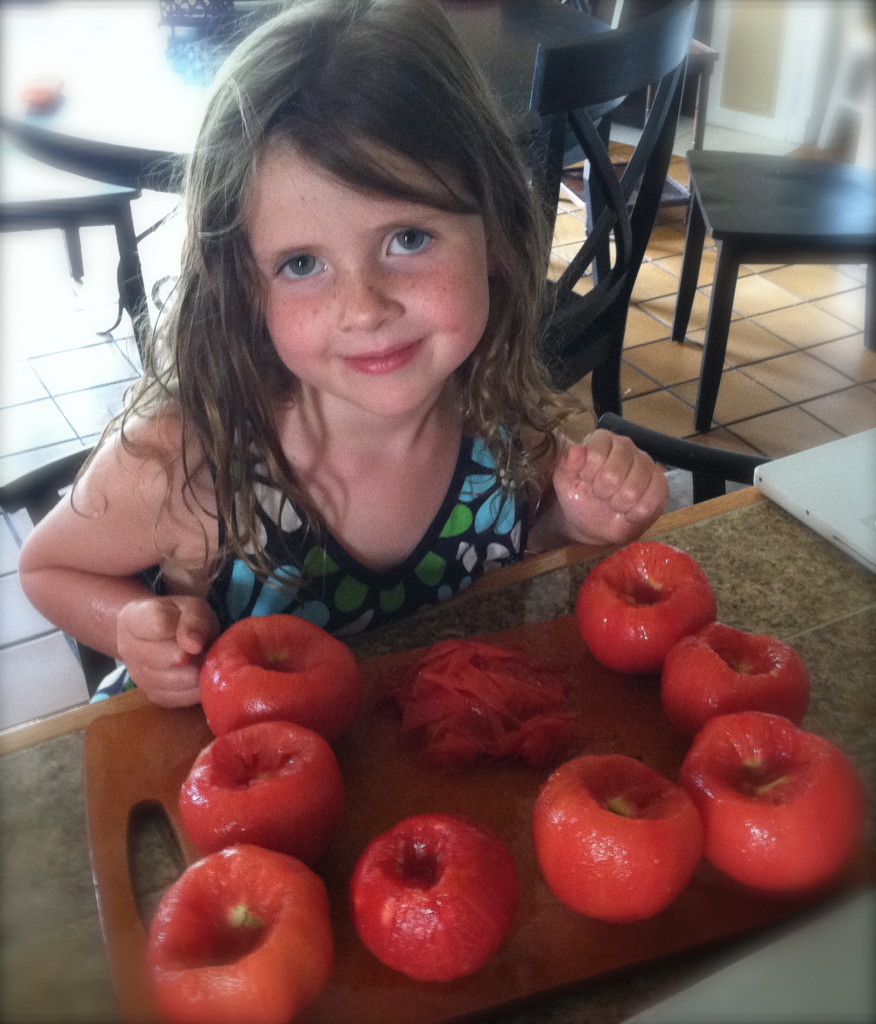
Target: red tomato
280,667
273,784
783,809
615,840
466,701
242,935
636,603
718,670
435,897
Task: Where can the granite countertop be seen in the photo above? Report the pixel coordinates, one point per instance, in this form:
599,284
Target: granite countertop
771,576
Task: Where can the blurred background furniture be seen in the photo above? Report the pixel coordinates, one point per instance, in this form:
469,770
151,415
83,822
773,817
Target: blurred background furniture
851,105
633,110
132,104
710,468
34,196
574,88
24,501
768,209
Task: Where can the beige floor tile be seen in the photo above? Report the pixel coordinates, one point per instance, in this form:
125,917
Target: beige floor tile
707,266
565,252
739,397
784,432
847,306
804,325
749,342
755,294
665,240
661,410
643,328
556,267
654,280
721,437
811,280
663,307
759,268
668,362
847,411
857,271
797,377
849,356
634,382
569,228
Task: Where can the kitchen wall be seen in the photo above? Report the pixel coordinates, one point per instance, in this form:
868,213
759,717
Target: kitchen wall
778,60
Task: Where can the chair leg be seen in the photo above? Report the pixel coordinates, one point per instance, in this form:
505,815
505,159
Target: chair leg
690,269
605,384
73,243
717,332
132,290
870,308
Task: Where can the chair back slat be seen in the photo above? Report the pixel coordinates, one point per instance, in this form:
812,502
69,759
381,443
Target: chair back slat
575,89
609,65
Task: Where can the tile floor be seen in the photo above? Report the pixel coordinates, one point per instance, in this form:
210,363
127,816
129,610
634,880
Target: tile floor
797,375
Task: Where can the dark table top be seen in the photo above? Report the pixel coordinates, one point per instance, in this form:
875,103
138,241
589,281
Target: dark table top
134,89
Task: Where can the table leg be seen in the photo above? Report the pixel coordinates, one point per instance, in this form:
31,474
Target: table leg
690,269
132,290
717,332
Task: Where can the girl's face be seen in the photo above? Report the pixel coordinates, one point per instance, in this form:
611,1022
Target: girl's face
371,302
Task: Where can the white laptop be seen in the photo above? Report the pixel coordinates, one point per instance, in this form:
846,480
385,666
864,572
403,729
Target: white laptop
832,489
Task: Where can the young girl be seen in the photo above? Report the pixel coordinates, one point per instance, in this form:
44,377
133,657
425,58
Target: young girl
343,415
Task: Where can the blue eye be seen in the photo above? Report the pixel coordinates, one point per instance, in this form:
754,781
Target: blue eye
302,265
409,240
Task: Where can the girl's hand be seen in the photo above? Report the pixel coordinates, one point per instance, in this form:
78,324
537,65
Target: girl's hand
607,490
160,639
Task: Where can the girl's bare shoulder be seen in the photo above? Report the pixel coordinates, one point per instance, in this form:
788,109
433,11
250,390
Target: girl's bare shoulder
153,474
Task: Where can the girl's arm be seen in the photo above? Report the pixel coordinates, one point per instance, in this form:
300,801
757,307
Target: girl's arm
81,565
604,491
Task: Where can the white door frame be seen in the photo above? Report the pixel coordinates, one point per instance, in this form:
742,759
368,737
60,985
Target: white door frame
800,97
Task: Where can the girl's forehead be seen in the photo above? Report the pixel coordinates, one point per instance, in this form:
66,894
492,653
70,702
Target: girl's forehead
377,169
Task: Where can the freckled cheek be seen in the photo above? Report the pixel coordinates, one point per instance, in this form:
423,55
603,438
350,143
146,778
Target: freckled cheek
295,328
461,303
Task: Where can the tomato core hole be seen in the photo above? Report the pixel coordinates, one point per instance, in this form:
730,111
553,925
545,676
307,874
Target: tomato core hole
621,806
642,591
763,782
226,938
276,661
419,868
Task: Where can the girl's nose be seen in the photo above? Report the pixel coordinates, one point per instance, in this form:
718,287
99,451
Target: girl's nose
366,303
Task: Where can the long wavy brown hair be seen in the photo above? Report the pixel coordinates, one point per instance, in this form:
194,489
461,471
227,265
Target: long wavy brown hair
344,81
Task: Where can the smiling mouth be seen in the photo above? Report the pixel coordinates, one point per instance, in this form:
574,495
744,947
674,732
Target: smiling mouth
376,363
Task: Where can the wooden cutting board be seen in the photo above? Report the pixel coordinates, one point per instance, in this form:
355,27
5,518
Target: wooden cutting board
138,759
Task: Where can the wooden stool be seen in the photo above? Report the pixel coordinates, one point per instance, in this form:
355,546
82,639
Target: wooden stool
36,196
768,209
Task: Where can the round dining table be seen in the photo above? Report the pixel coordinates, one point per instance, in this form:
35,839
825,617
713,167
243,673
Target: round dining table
133,89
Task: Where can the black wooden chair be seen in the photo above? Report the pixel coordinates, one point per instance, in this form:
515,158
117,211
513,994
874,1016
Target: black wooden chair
769,209
710,468
24,501
574,88
35,196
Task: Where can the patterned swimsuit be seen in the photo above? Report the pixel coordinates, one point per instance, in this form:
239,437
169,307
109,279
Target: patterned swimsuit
480,526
